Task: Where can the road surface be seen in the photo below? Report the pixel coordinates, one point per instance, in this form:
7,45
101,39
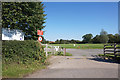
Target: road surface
80,65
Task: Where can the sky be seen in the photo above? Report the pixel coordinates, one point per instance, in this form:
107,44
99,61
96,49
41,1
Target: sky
72,20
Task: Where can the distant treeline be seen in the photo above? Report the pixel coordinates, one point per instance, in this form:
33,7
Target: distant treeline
97,39
88,38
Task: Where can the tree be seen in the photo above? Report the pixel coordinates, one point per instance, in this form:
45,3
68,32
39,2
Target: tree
57,41
96,39
117,38
73,41
61,41
26,16
87,38
111,38
103,36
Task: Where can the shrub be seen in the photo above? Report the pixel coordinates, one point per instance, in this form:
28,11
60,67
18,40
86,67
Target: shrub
26,51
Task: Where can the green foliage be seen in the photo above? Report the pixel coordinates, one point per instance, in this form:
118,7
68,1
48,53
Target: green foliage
61,41
22,52
117,38
87,38
111,38
62,54
68,54
96,39
103,36
26,16
59,54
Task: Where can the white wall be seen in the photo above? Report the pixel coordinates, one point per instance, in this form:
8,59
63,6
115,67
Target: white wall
12,34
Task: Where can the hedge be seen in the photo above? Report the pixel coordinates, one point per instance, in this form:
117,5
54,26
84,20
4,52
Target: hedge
26,51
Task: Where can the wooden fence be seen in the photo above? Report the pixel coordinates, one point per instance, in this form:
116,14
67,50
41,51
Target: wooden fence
112,50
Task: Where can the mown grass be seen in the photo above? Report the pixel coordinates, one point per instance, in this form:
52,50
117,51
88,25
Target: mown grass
81,46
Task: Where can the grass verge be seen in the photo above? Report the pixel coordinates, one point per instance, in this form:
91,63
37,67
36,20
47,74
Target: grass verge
62,54
20,70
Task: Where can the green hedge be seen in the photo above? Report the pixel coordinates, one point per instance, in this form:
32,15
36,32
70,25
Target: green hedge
26,51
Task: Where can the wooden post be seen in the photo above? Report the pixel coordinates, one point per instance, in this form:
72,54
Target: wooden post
64,51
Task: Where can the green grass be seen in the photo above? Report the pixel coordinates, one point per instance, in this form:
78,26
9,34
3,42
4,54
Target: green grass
62,54
81,46
20,70
108,55
68,54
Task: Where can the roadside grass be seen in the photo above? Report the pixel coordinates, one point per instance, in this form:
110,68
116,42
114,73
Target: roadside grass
68,54
81,46
62,54
20,70
110,56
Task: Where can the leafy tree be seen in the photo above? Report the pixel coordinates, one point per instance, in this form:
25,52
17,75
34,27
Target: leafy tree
103,36
61,41
26,16
117,38
73,41
96,39
87,38
57,41
111,38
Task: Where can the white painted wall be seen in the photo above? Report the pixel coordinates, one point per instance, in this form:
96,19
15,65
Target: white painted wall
12,34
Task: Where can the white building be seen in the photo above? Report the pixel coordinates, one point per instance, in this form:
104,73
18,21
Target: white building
12,34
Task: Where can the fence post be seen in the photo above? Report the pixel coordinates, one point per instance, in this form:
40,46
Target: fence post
115,50
104,50
46,51
64,51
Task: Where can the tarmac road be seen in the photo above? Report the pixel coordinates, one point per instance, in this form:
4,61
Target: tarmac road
80,65
85,52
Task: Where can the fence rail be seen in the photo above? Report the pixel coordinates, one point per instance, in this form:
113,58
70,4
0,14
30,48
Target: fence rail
112,49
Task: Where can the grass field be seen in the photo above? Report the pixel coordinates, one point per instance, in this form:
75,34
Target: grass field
81,46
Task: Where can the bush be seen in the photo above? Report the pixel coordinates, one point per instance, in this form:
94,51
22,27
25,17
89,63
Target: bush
26,51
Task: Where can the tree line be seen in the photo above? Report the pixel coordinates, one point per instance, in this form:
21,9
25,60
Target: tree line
104,37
